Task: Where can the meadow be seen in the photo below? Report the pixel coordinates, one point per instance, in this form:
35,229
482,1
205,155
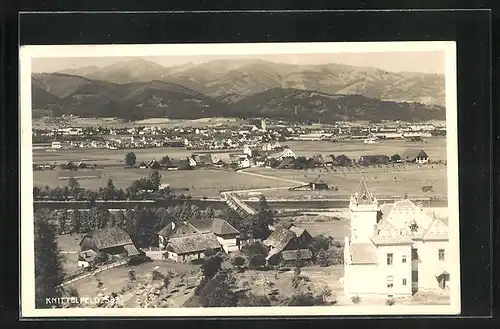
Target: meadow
384,180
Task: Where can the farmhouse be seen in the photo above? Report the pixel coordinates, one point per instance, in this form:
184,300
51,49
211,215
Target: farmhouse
226,234
241,161
221,159
112,241
394,251
374,159
416,155
283,239
191,247
287,163
202,160
318,184
286,153
153,164
343,160
86,258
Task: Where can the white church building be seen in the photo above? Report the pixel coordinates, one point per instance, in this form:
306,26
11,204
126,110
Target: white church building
395,253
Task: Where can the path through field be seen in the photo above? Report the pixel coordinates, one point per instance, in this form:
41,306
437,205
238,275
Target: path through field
272,177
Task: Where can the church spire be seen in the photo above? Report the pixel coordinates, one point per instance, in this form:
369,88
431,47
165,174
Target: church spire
363,194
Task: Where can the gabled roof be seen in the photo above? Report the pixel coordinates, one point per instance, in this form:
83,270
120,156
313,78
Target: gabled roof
437,231
221,157
363,253
319,181
109,237
215,225
298,231
363,194
176,229
279,239
193,243
388,234
412,154
405,213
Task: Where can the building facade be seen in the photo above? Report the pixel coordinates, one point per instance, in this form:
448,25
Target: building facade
395,255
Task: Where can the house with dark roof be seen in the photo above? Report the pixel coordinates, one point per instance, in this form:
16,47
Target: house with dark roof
416,156
191,247
374,159
284,239
318,184
112,241
343,160
226,234
287,163
202,160
153,164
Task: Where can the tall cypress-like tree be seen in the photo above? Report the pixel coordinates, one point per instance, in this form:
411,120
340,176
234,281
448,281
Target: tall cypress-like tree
48,263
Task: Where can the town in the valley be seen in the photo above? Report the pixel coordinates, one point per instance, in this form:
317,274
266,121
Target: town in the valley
323,236
216,185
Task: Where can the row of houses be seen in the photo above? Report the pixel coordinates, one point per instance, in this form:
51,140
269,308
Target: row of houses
184,241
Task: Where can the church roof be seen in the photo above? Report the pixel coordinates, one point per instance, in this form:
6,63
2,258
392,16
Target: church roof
363,194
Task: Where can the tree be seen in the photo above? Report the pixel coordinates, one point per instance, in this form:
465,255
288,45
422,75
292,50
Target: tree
239,261
76,221
62,220
211,266
155,179
218,292
74,186
257,261
321,242
48,263
395,158
251,300
130,159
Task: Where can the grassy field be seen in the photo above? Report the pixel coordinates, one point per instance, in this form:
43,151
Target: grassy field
382,181
207,183
388,180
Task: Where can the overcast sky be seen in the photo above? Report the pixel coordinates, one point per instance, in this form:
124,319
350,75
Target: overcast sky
423,61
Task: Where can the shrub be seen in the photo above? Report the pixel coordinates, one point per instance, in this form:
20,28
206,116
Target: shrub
390,302
257,261
254,300
131,275
239,261
355,299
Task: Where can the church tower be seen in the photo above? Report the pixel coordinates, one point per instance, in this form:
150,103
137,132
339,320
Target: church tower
364,210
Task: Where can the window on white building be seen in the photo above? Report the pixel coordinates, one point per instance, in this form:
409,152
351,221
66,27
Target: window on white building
404,282
390,281
441,254
403,259
414,254
389,258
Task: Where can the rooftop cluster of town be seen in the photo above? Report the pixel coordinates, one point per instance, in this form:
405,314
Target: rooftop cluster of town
254,133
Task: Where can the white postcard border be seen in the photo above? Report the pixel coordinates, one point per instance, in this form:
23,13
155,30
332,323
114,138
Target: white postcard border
27,284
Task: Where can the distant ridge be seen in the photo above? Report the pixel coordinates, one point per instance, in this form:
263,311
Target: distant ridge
61,94
250,76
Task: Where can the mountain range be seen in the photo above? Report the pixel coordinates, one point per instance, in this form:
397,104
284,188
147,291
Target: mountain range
140,89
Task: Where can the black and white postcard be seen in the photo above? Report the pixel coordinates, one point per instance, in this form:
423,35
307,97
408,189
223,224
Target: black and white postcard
285,179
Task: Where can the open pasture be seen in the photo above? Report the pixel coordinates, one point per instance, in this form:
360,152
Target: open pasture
382,181
201,182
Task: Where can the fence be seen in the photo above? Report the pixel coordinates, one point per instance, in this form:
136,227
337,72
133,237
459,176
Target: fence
98,270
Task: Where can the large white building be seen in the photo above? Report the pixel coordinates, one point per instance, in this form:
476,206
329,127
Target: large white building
394,254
